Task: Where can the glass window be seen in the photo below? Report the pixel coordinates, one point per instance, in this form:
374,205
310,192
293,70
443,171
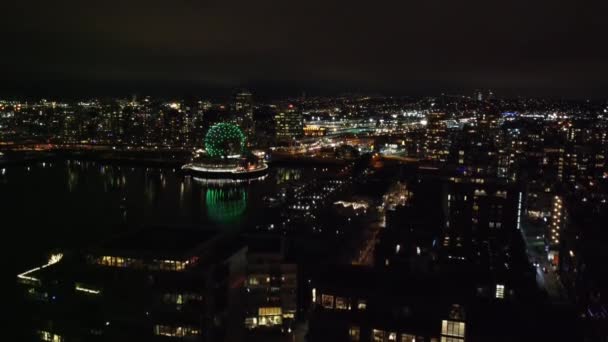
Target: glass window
115,261
362,304
354,333
176,331
50,337
451,339
253,280
327,301
452,328
272,311
251,322
180,265
181,298
342,303
169,265
193,297
500,291
270,320
392,336
408,338
378,335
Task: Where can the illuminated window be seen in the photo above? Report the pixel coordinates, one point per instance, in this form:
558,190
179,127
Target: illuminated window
180,265
408,338
392,336
251,322
272,311
105,260
452,328
253,280
171,265
451,339
354,333
327,301
48,336
270,320
176,331
342,303
362,304
500,291
115,261
378,335
181,298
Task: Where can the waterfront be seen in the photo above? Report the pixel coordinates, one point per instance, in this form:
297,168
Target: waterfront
67,204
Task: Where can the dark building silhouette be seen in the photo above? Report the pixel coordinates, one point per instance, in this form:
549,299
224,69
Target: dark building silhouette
153,284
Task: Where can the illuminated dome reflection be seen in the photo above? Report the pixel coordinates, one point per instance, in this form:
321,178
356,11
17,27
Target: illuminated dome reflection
226,205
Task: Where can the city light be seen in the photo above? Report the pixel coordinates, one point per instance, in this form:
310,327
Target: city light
53,259
195,209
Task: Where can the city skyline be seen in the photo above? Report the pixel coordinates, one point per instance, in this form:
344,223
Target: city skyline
312,219
319,171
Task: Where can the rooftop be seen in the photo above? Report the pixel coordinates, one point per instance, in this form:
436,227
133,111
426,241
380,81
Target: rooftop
160,241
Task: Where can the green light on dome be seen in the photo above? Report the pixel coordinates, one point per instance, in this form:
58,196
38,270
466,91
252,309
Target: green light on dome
224,139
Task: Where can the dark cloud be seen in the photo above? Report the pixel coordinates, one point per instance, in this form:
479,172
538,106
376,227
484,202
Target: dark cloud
536,47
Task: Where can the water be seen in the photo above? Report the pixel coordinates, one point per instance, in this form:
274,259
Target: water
72,204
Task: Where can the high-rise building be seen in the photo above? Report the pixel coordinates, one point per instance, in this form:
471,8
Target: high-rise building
556,228
436,143
289,123
553,163
242,110
480,213
271,300
478,95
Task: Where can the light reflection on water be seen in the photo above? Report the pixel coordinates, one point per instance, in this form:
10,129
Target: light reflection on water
226,205
75,203
225,202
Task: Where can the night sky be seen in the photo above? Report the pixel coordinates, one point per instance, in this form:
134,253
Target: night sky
527,47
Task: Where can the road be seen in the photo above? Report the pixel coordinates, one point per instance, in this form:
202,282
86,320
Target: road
535,246
366,253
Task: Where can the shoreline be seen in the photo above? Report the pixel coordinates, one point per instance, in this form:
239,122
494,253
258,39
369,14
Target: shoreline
144,158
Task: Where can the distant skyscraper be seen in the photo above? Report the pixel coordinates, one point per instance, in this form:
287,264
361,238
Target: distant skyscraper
436,141
479,95
242,109
289,123
490,95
